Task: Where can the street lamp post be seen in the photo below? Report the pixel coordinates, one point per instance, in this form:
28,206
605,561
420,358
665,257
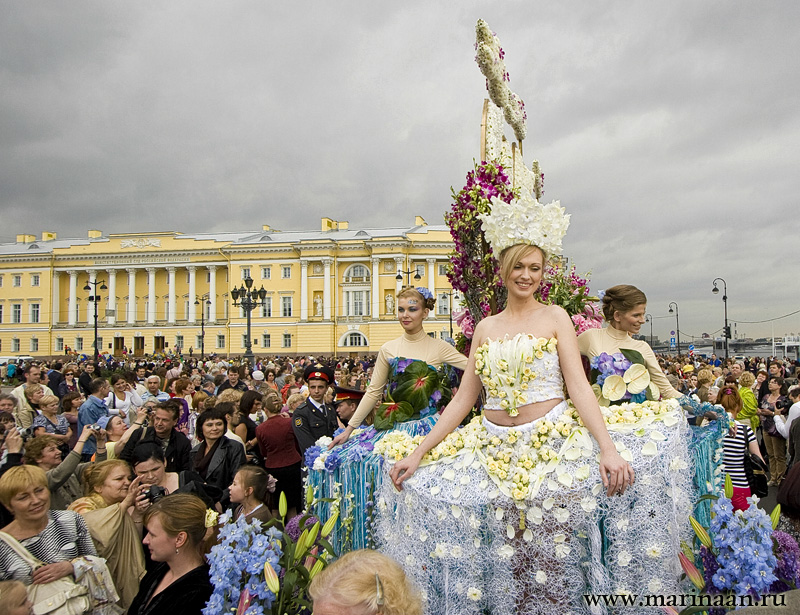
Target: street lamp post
206,302
649,318
726,331
449,295
677,324
248,299
94,298
400,273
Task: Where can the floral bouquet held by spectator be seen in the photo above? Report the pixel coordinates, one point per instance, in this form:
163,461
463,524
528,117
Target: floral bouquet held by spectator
266,569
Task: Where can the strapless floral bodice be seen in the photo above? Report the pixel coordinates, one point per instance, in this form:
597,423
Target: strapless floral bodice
519,370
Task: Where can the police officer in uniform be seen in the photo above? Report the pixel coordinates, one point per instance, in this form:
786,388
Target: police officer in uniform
313,419
346,402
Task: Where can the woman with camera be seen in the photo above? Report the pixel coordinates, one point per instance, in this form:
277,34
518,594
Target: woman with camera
110,494
63,476
176,539
123,398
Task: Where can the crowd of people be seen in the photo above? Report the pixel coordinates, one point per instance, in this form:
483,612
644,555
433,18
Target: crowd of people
123,460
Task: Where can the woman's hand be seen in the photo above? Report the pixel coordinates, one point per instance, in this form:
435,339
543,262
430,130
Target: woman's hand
403,470
52,572
133,491
616,473
341,438
141,501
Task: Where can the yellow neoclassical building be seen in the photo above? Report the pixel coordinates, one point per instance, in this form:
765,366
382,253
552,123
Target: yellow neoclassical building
328,291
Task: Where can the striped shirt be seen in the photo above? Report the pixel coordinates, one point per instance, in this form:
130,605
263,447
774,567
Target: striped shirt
64,538
733,458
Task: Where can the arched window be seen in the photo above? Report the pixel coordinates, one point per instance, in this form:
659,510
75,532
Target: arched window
353,338
356,273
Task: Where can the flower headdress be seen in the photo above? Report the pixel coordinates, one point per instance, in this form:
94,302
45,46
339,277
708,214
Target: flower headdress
426,293
525,220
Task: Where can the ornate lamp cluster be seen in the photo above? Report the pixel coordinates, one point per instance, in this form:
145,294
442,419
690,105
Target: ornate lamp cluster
248,299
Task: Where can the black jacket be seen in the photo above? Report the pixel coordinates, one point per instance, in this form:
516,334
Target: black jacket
227,459
178,451
310,424
185,596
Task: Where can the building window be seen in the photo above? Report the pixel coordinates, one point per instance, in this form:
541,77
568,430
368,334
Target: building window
34,312
286,272
442,269
1,281
179,341
14,344
16,313
198,341
99,344
266,308
357,303
34,279
79,344
355,339
286,307
443,305
220,341
1,312
245,272
357,273
266,273
208,277
265,341
16,280
59,344
244,340
420,270
287,340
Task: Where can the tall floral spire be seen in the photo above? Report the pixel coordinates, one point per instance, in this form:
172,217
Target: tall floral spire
499,207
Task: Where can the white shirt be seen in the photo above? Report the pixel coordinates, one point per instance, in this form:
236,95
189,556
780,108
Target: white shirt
784,423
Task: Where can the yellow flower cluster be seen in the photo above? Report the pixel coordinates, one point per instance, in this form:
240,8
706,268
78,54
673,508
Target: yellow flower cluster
506,367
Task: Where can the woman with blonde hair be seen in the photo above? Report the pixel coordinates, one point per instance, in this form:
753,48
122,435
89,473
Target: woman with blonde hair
110,494
14,599
364,582
749,410
176,538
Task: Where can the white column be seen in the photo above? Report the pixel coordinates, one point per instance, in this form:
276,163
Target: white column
151,295
431,282
303,289
326,289
73,298
193,294
376,289
54,293
131,296
89,307
212,295
112,295
172,309
398,261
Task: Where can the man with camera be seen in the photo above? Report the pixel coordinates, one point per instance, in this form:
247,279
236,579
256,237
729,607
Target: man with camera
91,411
164,418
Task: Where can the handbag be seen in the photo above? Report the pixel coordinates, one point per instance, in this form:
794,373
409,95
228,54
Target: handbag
61,597
756,473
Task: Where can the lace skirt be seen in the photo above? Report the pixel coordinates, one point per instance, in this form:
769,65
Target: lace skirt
508,520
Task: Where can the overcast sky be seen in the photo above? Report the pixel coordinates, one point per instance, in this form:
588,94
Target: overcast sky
669,130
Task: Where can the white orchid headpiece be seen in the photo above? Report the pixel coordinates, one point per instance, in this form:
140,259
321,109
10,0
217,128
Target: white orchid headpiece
525,220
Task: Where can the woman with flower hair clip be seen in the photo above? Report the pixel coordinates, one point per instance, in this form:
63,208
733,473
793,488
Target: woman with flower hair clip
408,378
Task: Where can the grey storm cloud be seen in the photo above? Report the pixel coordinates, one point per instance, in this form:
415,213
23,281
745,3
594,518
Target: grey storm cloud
668,131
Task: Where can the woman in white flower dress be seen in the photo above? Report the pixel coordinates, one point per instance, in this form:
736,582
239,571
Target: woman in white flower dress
504,516
521,355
